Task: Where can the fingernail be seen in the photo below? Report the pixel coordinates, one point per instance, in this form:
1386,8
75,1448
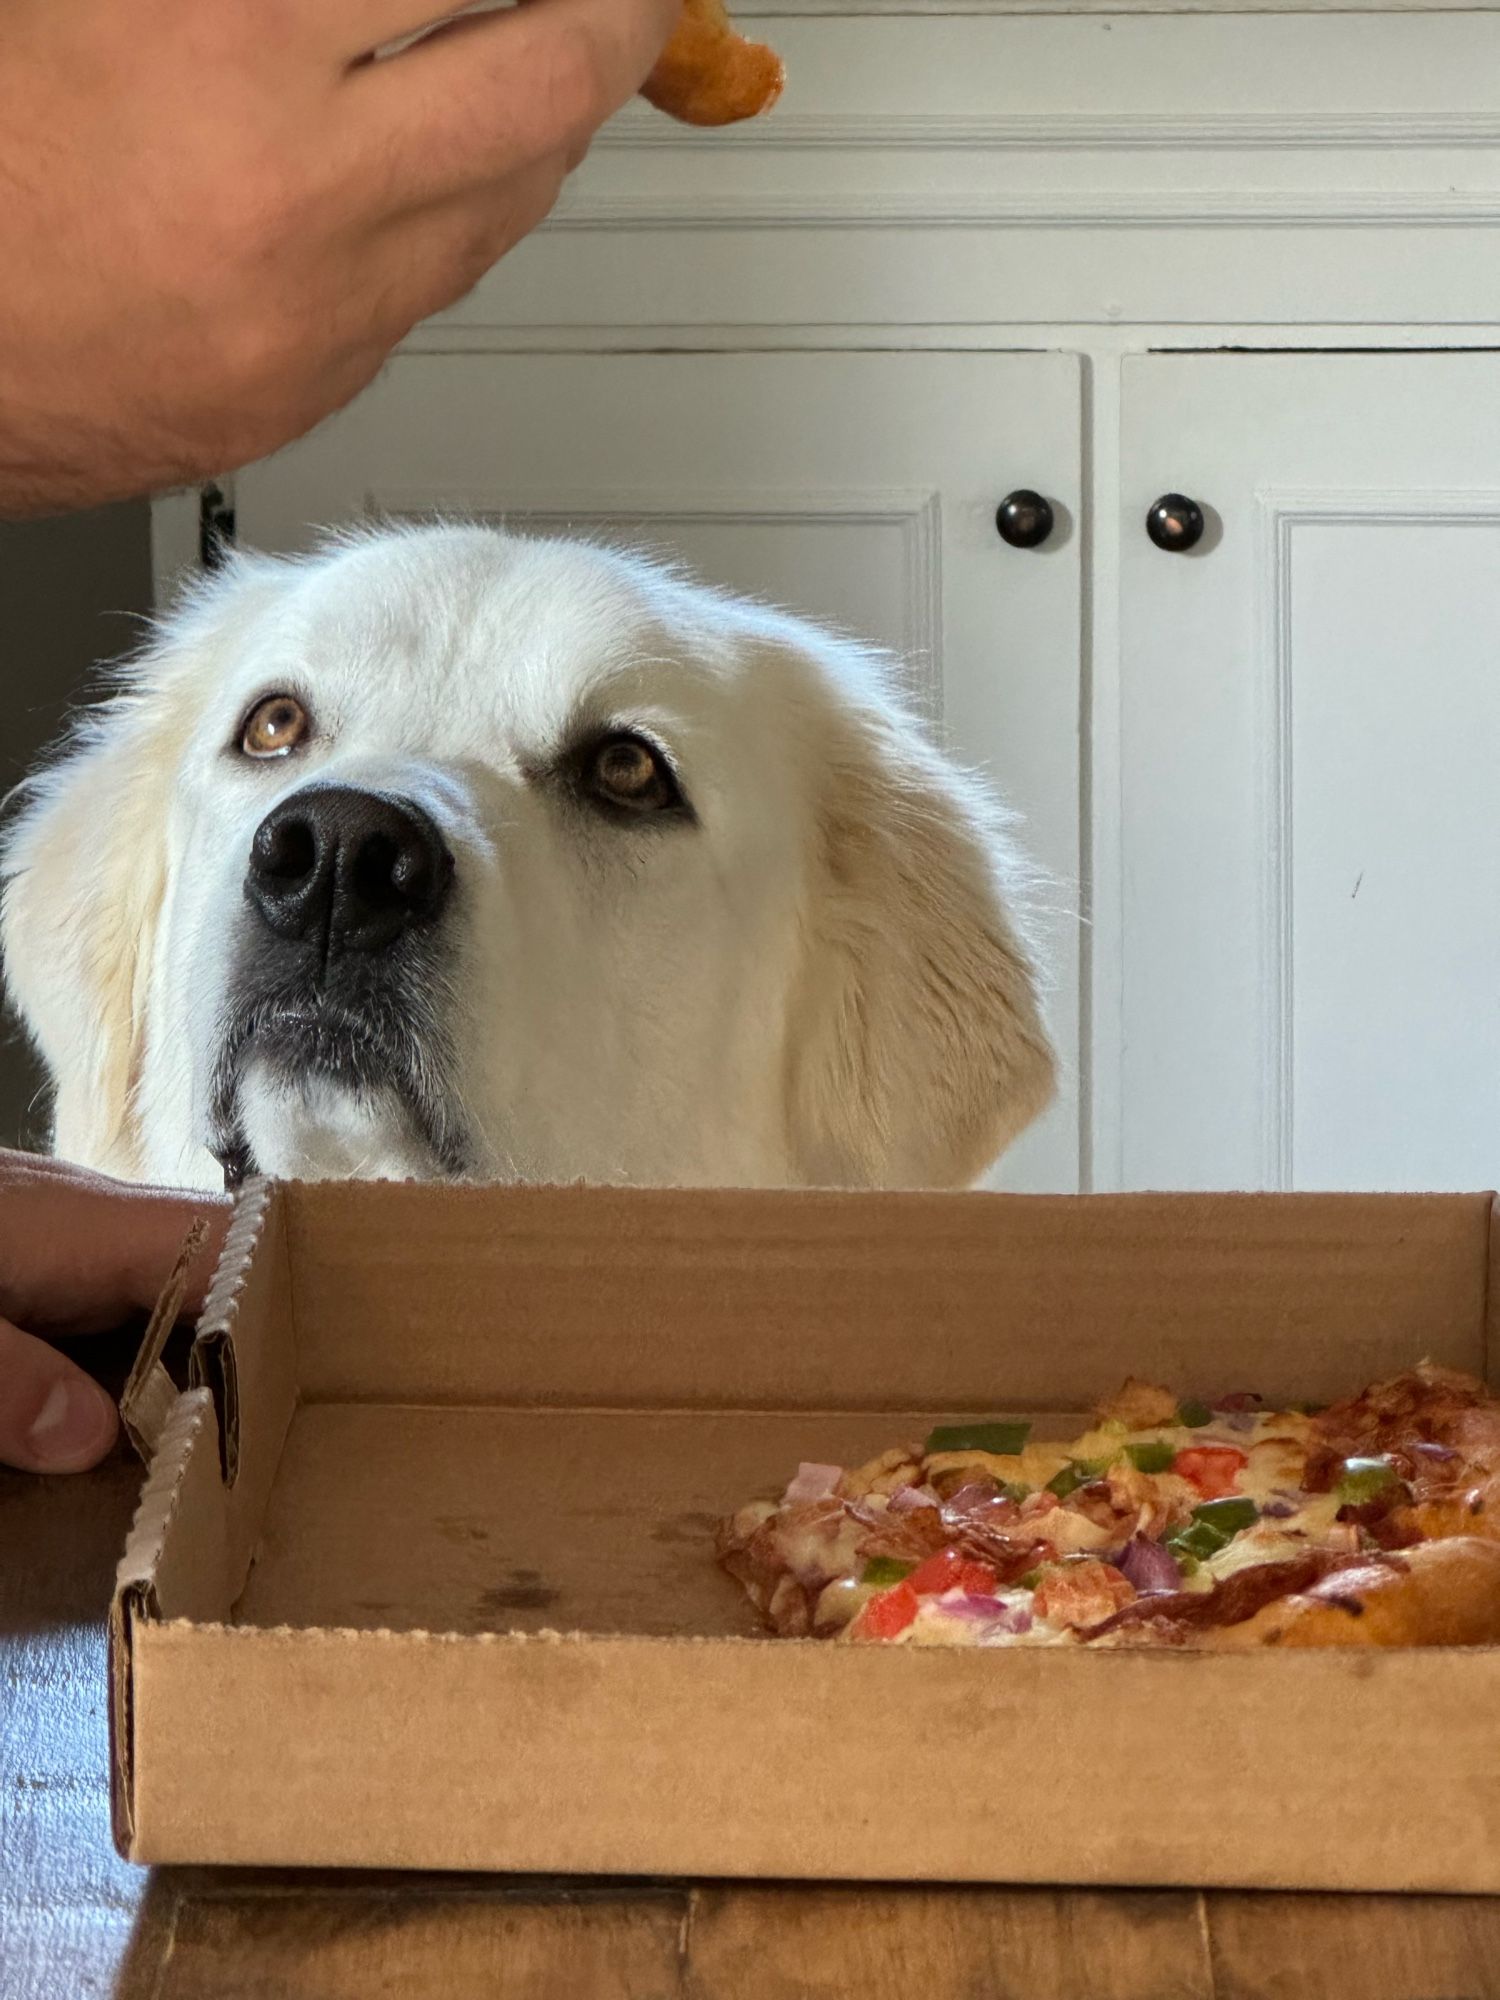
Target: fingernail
73,1426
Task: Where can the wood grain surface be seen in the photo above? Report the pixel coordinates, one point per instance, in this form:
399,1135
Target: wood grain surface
75,1922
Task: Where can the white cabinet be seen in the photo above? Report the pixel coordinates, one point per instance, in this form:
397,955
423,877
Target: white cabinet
1105,253
1310,773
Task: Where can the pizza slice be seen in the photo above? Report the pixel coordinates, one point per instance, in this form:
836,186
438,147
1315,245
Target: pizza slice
1375,1521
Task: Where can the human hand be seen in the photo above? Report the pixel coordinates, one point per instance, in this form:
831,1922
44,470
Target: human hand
216,222
78,1254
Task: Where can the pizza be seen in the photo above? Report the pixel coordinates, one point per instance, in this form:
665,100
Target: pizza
1370,1522
710,75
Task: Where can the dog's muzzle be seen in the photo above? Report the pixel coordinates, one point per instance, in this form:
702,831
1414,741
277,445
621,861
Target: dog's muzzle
335,978
337,870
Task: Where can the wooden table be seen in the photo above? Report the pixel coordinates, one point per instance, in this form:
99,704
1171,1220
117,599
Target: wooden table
77,1922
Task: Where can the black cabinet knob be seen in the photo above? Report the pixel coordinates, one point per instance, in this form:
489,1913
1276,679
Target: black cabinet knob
1175,523
1025,519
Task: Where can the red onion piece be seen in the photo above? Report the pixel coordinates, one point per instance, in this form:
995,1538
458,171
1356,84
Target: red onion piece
1148,1566
1241,1399
813,1482
991,1611
1438,1453
911,1499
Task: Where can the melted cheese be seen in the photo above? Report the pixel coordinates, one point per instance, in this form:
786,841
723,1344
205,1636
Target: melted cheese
937,1625
1275,1540
1033,1466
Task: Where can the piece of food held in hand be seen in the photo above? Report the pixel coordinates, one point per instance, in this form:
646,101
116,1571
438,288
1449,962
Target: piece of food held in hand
710,75
1372,1522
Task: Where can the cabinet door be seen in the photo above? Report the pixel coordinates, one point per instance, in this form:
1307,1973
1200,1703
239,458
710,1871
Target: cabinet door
1309,970
857,488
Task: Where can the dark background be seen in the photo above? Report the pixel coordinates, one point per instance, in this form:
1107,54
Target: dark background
72,593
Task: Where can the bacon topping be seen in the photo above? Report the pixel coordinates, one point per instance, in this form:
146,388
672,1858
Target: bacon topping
1241,1594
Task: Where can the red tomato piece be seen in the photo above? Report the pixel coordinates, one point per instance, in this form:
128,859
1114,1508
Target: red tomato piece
940,1572
978,1579
1212,1468
888,1614
949,1570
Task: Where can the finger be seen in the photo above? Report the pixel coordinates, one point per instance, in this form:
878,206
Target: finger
79,1252
121,1250
409,24
440,256
351,30
424,262
53,1418
419,265
500,92
162,1219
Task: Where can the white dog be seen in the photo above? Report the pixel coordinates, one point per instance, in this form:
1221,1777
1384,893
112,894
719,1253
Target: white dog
446,853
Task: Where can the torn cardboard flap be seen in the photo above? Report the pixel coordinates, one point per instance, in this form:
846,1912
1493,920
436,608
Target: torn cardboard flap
466,1420
149,1395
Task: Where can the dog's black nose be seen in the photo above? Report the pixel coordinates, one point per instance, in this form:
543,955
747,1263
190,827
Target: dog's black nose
350,867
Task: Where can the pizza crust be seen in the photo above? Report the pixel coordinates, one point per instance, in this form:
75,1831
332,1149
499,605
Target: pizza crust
1475,1512
710,75
1436,1594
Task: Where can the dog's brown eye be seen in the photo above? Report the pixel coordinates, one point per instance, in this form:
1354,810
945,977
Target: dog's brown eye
274,726
630,772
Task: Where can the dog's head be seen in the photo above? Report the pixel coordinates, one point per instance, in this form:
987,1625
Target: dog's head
445,852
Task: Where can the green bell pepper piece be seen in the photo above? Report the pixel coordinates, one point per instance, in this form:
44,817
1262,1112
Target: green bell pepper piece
885,1570
1229,1515
1155,1455
1194,1415
1363,1478
1004,1440
1077,1472
1213,1527
1200,1539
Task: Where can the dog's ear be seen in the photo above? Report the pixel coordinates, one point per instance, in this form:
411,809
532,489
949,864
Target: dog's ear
84,876
918,1050
83,872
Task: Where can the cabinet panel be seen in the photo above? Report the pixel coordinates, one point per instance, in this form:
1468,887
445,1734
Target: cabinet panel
976,165
1394,877
1310,735
857,488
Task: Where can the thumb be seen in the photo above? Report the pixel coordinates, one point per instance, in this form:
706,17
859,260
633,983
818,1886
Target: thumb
53,1417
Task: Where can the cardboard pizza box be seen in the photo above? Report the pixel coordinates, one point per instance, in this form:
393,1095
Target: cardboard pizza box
423,1577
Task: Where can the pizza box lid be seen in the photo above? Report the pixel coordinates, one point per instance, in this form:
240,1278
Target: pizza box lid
422,1574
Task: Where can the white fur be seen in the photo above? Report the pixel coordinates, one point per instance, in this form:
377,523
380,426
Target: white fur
822,982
